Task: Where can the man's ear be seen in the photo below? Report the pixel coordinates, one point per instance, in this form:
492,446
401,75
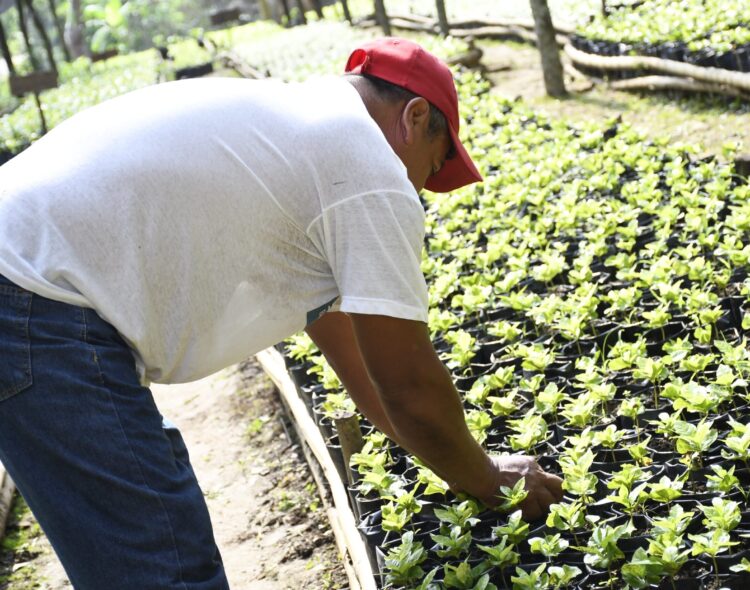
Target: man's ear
415,118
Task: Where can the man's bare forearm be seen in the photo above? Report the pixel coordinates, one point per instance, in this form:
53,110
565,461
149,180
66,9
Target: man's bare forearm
334,336
429,421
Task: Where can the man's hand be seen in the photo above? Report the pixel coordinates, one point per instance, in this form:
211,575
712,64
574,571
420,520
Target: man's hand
543,488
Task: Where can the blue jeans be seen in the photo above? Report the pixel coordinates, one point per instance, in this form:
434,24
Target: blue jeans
110,482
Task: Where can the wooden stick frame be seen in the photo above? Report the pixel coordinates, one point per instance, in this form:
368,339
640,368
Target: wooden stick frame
348,539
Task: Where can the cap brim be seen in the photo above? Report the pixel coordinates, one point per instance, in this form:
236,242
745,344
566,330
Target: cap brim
456,172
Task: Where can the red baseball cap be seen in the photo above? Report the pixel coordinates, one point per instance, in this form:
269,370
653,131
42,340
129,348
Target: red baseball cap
406,64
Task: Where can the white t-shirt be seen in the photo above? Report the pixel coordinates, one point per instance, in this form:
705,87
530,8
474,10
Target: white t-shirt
209,219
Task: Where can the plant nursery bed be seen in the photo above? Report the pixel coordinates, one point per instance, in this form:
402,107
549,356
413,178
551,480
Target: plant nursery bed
591,301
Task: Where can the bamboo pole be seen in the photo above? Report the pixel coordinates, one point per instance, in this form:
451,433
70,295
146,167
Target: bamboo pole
273,363
675,68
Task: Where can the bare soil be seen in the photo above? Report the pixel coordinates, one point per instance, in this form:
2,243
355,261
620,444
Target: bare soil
268,519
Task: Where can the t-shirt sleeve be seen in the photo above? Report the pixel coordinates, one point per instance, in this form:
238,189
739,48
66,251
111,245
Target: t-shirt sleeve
373,244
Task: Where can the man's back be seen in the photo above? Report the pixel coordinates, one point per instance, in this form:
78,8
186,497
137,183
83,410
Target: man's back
189,214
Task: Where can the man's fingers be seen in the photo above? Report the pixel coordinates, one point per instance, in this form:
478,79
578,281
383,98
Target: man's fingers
545,498
554,485
530,508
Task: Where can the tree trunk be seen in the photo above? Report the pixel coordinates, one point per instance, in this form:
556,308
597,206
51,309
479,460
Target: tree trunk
443,18
43,34
317,8
381,16
74,30
605,10
60,30
550,53
6,50
25,34
347,14
301,8
285,7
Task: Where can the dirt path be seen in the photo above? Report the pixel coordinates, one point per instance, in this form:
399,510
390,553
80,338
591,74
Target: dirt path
263,503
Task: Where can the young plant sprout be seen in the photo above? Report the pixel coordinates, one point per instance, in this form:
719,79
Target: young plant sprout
549,546
512,496
515,530
465,577
403,563
712,544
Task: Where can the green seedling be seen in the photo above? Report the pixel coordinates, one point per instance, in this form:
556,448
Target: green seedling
516,529
403,563
512,496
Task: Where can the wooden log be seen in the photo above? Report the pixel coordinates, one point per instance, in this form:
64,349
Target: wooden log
34,82
350,437
227,15
273,363
676,68
7,491
676,83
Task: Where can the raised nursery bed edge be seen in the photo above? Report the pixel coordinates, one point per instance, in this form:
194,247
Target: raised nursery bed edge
348,540
7,491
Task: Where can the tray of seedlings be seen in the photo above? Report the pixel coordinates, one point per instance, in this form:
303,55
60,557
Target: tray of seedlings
708,34
591,299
